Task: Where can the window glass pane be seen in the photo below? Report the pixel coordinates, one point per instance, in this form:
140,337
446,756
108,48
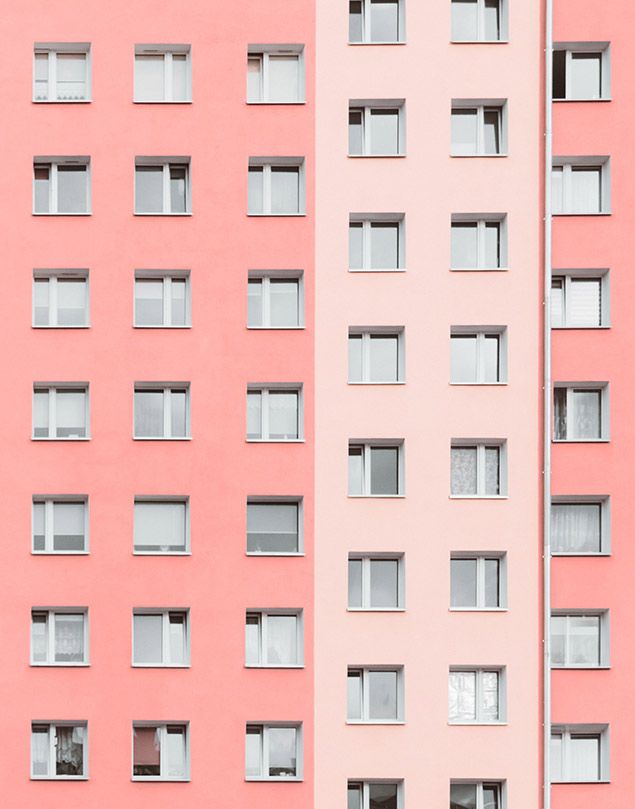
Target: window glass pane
355,242
254,302
463,131
586,421
69,638
285,189
38,526
492,244
178,191
384,355
492,583
148,189
384,465
491,20
179,77
354,695
178,424
71,302
283,78
159,526
69,750
175,752
147,751
176,638
584,758
462,696
255,190
148,414
384,21
557,189
254,414
71,76
382,694
558,639
41,189
463,363
490,353
489,681
491,792
354,796
384,245
585,302
254,78
283,303
283,415
464,247
463,796
40,413
355,21
584,640
492,470
355,132
576,527
382,796
560,414
253,742
585,78
272,527
384,578
556,757
586,189
463,582
252,640
463,470
39,749
41,77
464,20
149,78
178,308
71,414
71,189
557,302
282,751
354,582
559,68
148,302
491,135
41,288
355,470
384,132
39,637
355,361
282,639
68,526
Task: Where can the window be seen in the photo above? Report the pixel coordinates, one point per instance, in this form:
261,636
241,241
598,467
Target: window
162,73
162,299
59,750
275,186
162,412
376,581
375,468
479,127
477,795
579,753
580,525
61,185
161,525
160,638
59,637
478,468
60,411
478,242
478,581
375,695
274,526
580,299
376,242
376,355
61,71
275,299
376,21
580,185
479,21
581,71
274,414
162,185
580,412
375,794
60,525
478,355
376,128
476,695
579,639
275,74
60,299
273,638
160,752
273,752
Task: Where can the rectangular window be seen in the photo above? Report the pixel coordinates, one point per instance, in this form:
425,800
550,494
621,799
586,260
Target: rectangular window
162,185
376,21
59,637
61,71
376,242
274,638
162,73
60,525
479,127
375,794
274,526
581,71
580,413
478,581
274,414
376,581
162,412
579,753
376,355
59,751
61,185
580,525
375,469
275,74
275,299
275,186
478,469
477,795
160,752
375,695
60,299
60,411
160,638
161,525
479,21
478,355
478,242
580,301
376,128
476,695
273,752
580,185
162,299
579,639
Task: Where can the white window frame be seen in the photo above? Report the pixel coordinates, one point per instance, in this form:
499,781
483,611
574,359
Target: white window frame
366,560
479,784
481,332
167,388
166,277
164,764
567,164
167,51
481,444
367,106
264,390
604,503
366,333
362,785
52,163
53,276
371,443
481,105
166,163
52,728
263,52
481,220
53,49
503,25
572,387
479,671
568,733
266,276
603,50
481,557
185,501
264,751
165,614
400,698
50,613
604,645
284,501
267,163
569,276
49,503
366,27
368,220
263,616
51,388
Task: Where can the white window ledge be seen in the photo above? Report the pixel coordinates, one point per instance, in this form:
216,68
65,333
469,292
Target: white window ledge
158,778
578,553
280,778
150,213
61,101
366,44
577,328
578,100
59,778
160,438
159,665
162,553
571,213
60,553
276,215
68,438
478,609
479,269
275,103
479,384
274,666
580,440
373,156
580,668
375,722
139,101
479,42
275,441
477,724
376,496
478,497
376,609
586,783
481,156
272,553
152,327
61,665
276,328
60,327
366,384
44,213
372,269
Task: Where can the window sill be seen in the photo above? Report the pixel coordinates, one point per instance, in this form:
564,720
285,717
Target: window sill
580,553
375,609
376,496
59,778
273,553
377,269
60,665
142,778
375,722
275,103
477,724
156,213
578,100
276,328
576,328
280,779
46,213
160,666
580,668
581,213
387,42
87,326
276,214
135,326
586,783
478,497
160,438
60,553
141,101
274,666
479,269
479,42
371,156
62,101
480,384
391,382
502,154
275,441
580,440
161,553
67,438
478,609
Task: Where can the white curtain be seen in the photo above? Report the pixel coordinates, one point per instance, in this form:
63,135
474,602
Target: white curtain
575,527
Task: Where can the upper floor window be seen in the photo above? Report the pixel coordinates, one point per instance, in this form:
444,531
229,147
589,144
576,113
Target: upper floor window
61,71
160,752
477,795
162,185
61,185
580,299
478,242
580,412
580,525
60,525
479,20
162,299
376,128
375,794
376,242
275,74
275,299
273,752
273,638
478,468
161,525
376,21
161,412
581,71
376,355
478,355
476,695
478,581
376,581
59,750
60,299
479,127
275,186
160,638
375,694
579,753
274,526
59,637
579,639
581,185
375,468
162,73
274,413
60,411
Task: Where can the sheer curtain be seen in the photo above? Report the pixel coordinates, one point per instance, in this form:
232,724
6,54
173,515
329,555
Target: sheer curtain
575,527
69,750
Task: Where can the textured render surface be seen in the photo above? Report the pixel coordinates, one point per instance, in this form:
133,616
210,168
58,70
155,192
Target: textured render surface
217,469
427,412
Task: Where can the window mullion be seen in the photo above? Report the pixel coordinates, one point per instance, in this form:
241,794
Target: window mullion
567,191
162,750
479,795
264,413
264,766
266,303
365,695
48,525
52,65
366,589
167,413
366,20
166,288
366,357
366,244
480,130
480,581
52,745
53,301
165,632
166,188
480,469
264,660
570,417
264,78
366,465
568,61
167,63
567,629
266,189
567,296
365,795
480,243
480,357
366,144
50,636
52,413
480,20
53,189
